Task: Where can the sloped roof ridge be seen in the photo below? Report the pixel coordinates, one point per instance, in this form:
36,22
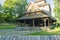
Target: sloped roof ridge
37,7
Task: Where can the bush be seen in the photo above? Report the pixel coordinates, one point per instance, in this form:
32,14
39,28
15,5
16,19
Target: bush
52,27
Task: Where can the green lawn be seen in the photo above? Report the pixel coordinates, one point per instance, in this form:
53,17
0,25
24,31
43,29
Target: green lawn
55,31
45,33
7,26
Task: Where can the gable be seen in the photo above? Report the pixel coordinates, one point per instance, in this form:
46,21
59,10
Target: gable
46,8
32,7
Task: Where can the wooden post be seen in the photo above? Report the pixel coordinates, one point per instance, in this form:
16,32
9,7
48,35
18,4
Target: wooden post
45,24
48,22
33,23
44,19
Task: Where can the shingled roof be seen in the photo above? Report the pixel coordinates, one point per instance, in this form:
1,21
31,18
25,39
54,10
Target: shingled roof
37,16
37,10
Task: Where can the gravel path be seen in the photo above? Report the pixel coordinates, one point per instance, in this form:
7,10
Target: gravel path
17,31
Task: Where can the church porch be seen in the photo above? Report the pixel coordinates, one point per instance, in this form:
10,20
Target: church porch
37,22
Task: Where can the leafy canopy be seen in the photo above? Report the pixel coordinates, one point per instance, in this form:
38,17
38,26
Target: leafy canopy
57,8
13,9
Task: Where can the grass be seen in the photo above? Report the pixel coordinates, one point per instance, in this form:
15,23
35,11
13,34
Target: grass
7,26
45,33
55,31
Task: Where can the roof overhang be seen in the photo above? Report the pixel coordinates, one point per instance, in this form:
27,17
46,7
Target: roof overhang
37,16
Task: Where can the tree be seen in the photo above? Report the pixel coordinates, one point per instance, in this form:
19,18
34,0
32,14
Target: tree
1,14
14,9
57,9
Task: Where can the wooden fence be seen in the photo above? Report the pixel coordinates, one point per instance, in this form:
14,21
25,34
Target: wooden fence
43,37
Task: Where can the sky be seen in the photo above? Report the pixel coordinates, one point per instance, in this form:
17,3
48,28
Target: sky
48,1
2,1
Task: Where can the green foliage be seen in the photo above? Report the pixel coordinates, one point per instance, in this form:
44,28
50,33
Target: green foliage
45,33
52,27
1,14
12,9
7,26
57,9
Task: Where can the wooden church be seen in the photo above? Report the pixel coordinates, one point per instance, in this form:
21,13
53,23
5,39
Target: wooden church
37,14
